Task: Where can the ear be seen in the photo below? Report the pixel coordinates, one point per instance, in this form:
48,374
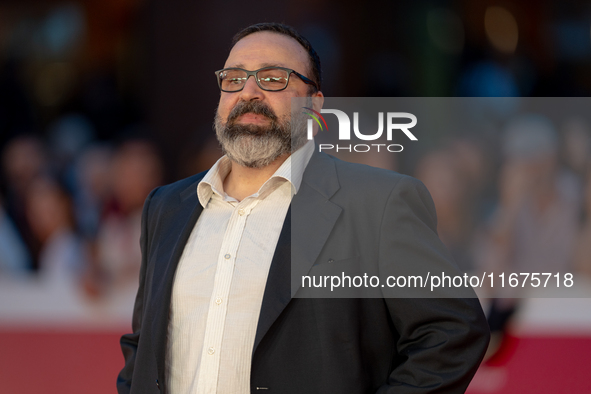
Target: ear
317,100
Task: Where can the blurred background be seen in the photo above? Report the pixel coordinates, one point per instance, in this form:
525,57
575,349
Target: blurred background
101,101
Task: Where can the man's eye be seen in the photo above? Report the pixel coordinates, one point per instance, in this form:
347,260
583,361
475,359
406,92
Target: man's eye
279,80
235,81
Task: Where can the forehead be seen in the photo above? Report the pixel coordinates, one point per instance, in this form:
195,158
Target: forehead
264,49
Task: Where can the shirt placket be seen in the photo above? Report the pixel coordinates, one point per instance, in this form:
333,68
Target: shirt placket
218,304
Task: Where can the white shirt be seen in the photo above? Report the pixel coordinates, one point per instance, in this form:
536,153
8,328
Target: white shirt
221,277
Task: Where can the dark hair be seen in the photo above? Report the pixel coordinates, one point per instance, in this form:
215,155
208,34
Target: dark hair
290,32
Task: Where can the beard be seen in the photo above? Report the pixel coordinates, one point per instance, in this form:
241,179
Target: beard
256,146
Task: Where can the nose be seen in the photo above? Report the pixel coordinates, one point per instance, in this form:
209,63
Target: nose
251,90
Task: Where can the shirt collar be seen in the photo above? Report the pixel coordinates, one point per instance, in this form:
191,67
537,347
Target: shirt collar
292,171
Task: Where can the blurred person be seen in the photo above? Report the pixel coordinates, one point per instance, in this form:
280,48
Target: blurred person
92,175
214,311
50,214
577,145
536,222
92,179
476,166
208,152
23,160
136,170
67,137
443,175
540,203
582,255
14,257
473,164
577,148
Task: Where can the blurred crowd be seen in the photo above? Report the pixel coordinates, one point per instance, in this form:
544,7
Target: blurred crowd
70,210
77,83
525,208
71,214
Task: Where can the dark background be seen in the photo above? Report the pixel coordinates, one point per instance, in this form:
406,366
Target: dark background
146,67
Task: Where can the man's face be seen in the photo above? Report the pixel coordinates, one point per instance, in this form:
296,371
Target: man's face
253,125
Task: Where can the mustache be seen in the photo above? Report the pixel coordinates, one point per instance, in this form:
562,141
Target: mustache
251,107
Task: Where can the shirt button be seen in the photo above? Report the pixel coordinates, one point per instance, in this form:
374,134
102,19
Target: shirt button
218,300
241,212
210,351
227,256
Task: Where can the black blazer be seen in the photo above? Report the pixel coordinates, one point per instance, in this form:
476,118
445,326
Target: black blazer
317,345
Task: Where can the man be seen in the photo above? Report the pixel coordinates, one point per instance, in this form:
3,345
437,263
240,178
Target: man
214,311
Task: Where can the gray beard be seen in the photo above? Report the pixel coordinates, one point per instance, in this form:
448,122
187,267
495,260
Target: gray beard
258,146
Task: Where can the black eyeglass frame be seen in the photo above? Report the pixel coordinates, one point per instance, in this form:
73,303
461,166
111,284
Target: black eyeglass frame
254,74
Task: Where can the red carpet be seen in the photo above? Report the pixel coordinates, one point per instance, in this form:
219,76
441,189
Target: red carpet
60,362
70,362
538,365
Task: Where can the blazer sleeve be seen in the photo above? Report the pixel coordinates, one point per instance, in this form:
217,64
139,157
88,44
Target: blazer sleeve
441,340
129,342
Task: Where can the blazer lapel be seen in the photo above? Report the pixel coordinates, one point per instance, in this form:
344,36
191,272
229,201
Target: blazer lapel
184,216
277,294
306,228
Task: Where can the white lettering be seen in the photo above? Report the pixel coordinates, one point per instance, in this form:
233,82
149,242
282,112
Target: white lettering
370,137
404,127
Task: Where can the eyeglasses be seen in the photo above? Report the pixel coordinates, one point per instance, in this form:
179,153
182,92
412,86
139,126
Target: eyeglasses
271,79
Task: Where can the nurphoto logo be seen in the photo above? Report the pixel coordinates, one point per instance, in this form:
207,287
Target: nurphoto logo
345,129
